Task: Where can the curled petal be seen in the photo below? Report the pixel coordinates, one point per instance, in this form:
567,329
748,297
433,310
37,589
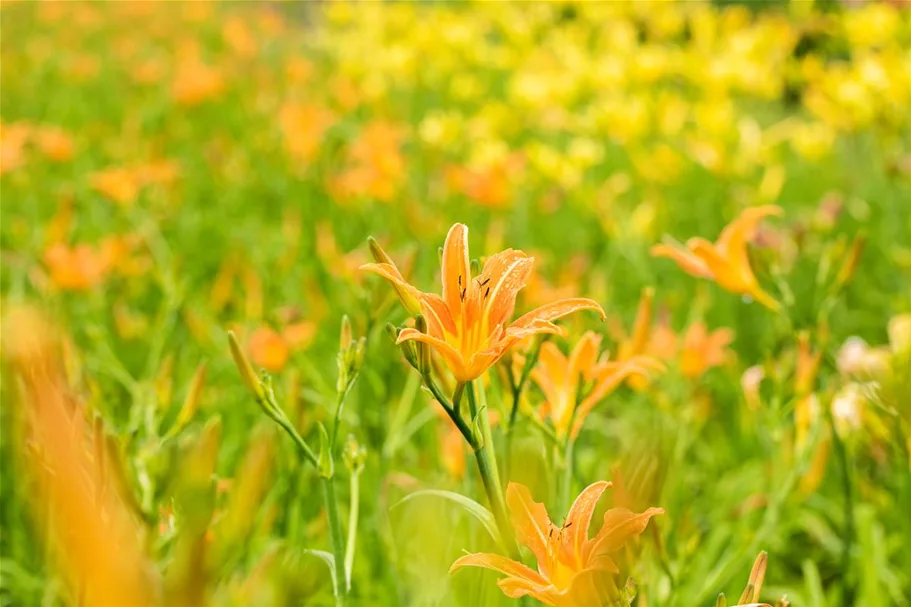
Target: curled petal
500,564
619,526
450,354
558,309
688,262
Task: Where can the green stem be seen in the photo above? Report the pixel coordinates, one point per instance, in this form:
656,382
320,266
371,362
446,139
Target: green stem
516,388
566,480
352,527
485,454
841,452
335,534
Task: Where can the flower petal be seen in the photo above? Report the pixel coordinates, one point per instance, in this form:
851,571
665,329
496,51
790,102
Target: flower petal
456,269
516,588
619,526
530,521
611,375
452,356
504,274
575,529
557,309
437,314
733,239
688,262
500,564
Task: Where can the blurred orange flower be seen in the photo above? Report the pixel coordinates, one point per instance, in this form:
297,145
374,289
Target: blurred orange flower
303,127
271,349
120,185
562,378
376,166
726,261
55,144
195,83
573,569
703,350
467,325
77,268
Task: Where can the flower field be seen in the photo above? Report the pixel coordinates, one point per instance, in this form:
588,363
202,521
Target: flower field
465,304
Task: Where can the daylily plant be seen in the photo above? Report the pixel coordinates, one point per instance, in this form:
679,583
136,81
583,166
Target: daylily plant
725,261
573,569
468,325
559,377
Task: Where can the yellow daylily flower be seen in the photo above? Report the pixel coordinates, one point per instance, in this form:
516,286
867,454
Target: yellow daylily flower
725,261
467,324
573,569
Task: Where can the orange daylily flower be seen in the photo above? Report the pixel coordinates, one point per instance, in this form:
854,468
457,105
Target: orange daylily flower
271,349
703,350
559,377
77,268
573,569
725,261
467,325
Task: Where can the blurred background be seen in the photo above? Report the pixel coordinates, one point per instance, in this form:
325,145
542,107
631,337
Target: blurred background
173,170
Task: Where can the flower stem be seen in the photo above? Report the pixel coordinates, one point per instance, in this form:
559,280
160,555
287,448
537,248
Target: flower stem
351,546
566,479
516,388
841,453
485,454
335,534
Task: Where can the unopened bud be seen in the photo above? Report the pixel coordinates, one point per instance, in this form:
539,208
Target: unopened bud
377,252
344,341
757,575
852,259
246,370
354,455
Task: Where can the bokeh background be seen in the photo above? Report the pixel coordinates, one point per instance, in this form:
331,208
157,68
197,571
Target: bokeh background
172,170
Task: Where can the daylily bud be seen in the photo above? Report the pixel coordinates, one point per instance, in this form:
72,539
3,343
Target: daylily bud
850,262
344,341
757,575
377,252
191,401
721,601
407,347
246,370
423,350
354,455
475,267
324,464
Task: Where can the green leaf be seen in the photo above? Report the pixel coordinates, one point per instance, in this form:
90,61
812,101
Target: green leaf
472,507
327,558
